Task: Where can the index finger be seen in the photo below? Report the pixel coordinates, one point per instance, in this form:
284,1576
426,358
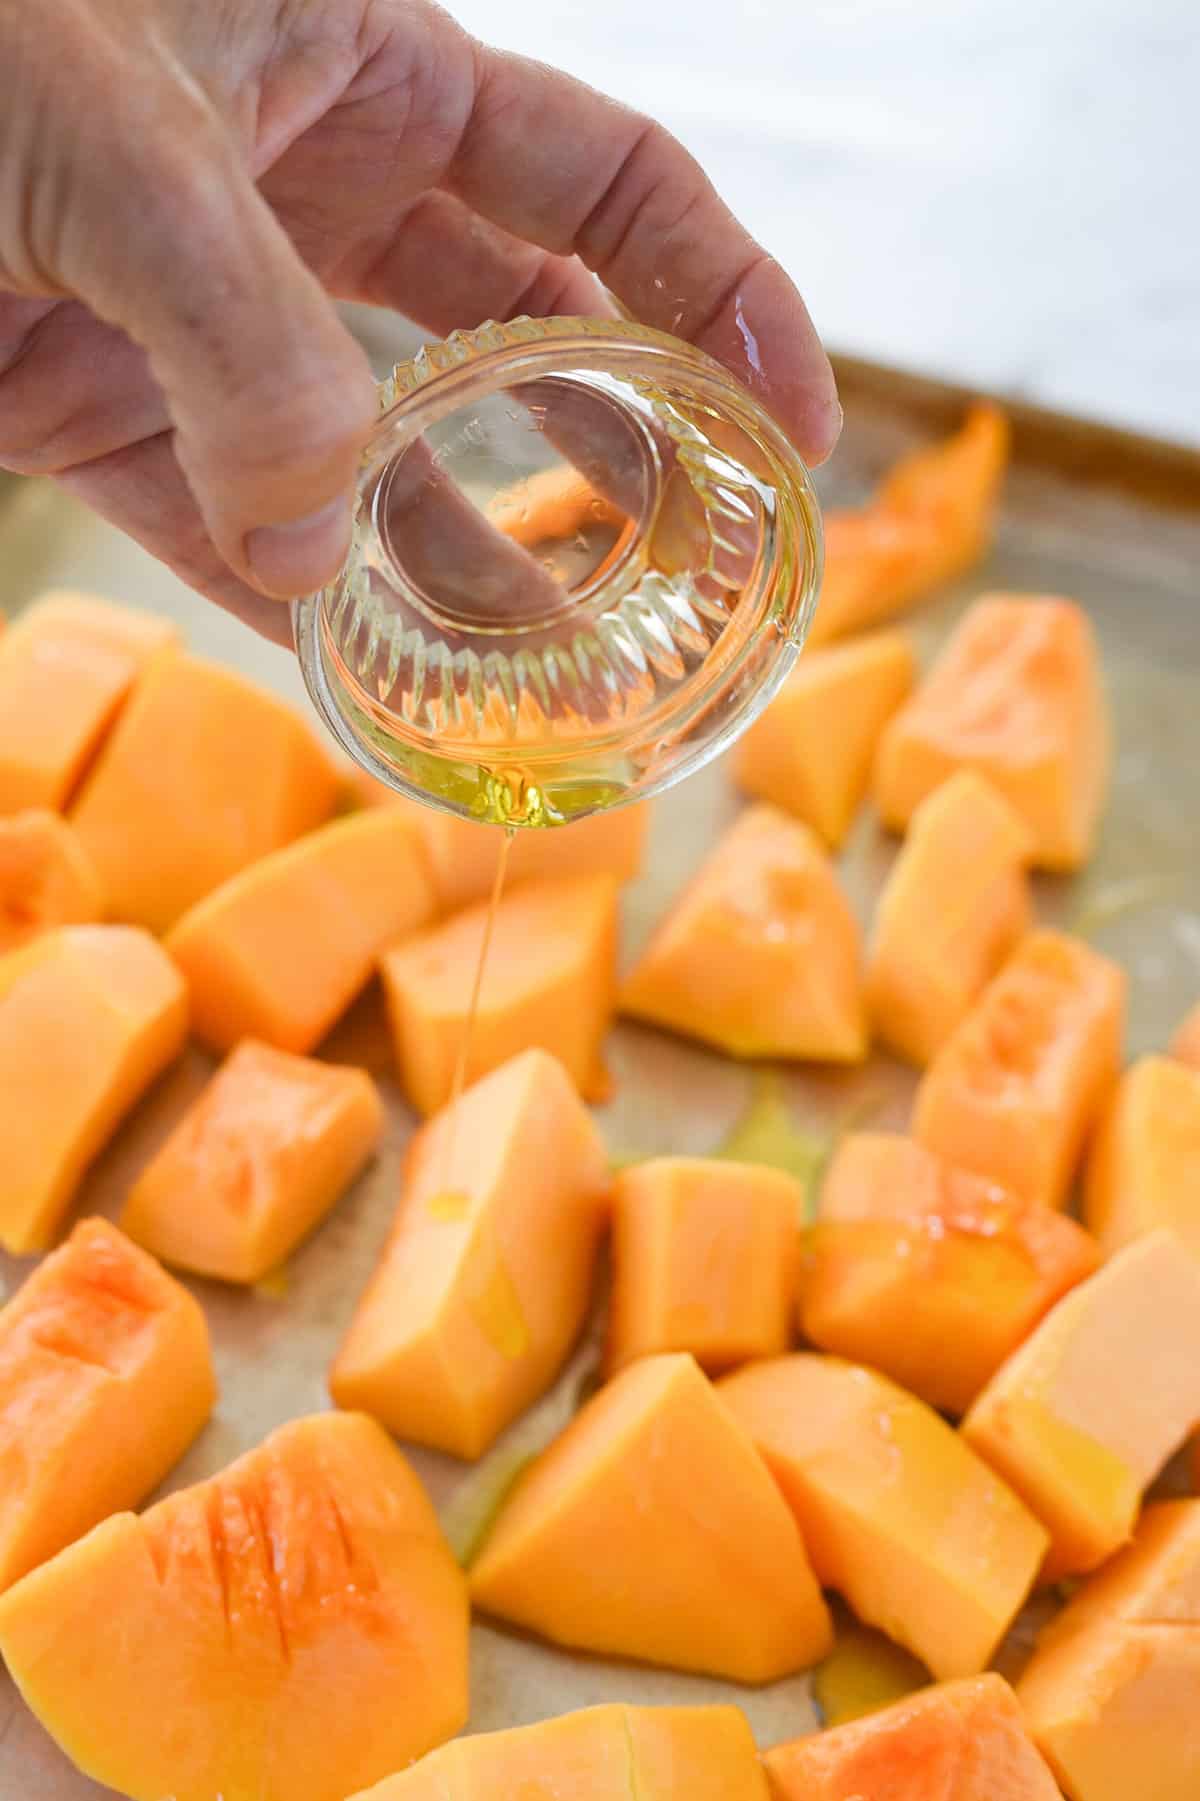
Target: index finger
559,165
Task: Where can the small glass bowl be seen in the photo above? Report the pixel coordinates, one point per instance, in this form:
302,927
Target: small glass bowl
584,558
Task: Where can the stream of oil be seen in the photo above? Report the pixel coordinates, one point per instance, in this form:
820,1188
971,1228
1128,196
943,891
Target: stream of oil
449,1202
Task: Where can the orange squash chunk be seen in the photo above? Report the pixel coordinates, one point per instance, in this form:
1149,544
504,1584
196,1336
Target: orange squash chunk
1106,1389
311,1568
486,1280
895,1508
1110,1693
1143,1169
268,1148
1016,1088
1015,695
961,1741
600,1754
463,854
953,908
46,878
89,1016
810,752
704,1260
931,520
760,955
204,773
1185,1046
66,669
549,982
928,1273
280,951
651,1529
105,1379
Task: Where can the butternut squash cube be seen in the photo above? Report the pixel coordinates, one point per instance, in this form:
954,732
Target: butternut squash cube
205,773
105,1379
1015,695
928,1273
704,1260
761,954
89,1016
1143,1170
268,1148
651,1529
280,951
548,982
931,520
46,878
899,1514
810,752
965,1741
600,1754
66,669
955,905
194,1651
463,854
1107,1388
487,1278
1017,1087
1110,1693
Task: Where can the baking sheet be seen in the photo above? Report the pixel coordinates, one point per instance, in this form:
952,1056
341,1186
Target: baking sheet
1110,519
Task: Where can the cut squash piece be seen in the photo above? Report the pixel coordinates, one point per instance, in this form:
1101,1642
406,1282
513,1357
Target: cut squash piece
610,1753
312,1567
1084,1416
1185,1046
105,1379
959,1741
268,1148
1144,1166
930,522
1110,1693
463,855
898,1513
204,773
549,982
928,1273
704,1260
651,1529
955,905
46,878
1015,1090
1015,695
89,1016
281,950
66,670
760,956
487,1278
810,752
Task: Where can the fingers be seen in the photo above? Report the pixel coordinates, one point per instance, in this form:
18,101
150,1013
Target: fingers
143,490
71,389
552,162
270,397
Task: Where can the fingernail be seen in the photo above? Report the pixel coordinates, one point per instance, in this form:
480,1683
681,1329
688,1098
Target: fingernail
826,430
297,558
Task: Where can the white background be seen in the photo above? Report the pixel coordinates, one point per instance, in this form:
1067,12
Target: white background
1006,193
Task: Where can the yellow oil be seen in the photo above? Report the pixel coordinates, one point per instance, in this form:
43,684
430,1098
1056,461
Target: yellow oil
495,1306
767,1133
449,1202
863,1672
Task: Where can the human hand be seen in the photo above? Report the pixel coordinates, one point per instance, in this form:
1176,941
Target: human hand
185,190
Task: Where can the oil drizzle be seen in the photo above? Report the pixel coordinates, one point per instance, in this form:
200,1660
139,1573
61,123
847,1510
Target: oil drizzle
863,1672
447,1202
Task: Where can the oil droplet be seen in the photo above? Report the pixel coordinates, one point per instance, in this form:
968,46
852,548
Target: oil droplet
767,1133
863,1672
496,1309
274,1285
449,1203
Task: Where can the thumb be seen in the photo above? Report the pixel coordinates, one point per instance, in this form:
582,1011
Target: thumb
270,396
